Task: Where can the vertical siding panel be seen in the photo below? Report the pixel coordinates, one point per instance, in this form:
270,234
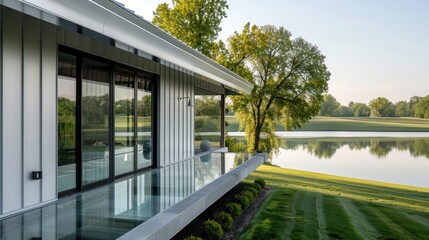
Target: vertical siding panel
162,118
171,102
1,114
188,109
176,115
185,114
49,112
166,142
12,111
163,144
180,115
192,122
31,113
183,106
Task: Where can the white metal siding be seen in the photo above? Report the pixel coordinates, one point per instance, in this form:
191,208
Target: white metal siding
28,110
12,111
31,108
1,104
176,128
49,112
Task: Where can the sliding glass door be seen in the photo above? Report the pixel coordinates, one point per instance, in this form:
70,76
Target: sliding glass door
104,122
124,123
95,121
144,122
133,122
67,157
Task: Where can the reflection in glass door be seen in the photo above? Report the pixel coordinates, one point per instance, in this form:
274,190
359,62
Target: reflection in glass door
66,122
104,124
95,121
144,122
124,123
133,135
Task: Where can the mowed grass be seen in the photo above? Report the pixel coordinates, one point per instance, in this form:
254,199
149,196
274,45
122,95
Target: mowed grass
393,124
307,205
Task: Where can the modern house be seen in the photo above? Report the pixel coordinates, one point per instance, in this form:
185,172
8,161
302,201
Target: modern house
95,100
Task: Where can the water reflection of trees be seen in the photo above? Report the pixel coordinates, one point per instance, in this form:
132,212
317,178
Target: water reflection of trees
322,149
379,147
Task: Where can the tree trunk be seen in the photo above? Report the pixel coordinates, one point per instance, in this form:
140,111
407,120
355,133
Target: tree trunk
257,137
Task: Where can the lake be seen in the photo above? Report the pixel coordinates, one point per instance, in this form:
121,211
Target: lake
394,157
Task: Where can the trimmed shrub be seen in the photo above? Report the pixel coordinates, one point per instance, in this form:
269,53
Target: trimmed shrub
224,219
257,187
261,182
234,209
211,230
253,191
242,200
248,194
193,238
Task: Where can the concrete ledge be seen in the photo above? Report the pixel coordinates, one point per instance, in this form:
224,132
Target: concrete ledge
169,222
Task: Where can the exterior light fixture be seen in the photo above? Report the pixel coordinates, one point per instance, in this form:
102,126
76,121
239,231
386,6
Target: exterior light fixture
190,102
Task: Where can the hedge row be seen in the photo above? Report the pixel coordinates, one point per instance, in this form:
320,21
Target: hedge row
213,229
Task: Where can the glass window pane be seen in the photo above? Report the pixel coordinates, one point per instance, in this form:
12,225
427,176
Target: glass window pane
124,124
144,123
207,122
66,122
95,121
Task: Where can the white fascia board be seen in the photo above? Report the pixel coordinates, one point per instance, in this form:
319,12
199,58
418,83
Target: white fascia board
107,18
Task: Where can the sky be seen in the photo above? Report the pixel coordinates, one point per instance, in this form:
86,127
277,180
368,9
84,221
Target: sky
372,48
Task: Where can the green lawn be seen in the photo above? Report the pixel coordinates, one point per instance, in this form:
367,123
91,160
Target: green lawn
307,205
394,124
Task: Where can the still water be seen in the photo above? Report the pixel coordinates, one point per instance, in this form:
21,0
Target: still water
394,158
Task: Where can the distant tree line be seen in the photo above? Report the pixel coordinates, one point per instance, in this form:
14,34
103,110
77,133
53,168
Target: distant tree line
377,107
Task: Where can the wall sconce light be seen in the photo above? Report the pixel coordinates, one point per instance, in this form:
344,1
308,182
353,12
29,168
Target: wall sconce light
190,102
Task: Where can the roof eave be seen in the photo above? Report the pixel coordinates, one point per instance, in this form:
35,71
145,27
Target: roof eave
109,19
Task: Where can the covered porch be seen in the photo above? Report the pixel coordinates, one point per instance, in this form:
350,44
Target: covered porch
154,204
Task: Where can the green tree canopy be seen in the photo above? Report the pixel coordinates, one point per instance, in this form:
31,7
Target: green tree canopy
343,111
421,109
413,101
360,109
382,107
329,105
290,78
402,109
195,22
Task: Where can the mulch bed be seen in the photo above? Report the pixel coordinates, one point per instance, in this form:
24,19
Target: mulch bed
240,224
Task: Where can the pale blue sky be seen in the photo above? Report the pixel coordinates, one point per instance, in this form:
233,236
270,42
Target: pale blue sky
373,47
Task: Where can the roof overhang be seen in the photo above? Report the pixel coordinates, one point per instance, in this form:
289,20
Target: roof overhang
111,20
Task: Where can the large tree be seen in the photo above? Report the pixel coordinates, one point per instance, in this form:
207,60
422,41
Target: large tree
329,105
360,109
195,22
402,109
382,107
422,108
289,77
